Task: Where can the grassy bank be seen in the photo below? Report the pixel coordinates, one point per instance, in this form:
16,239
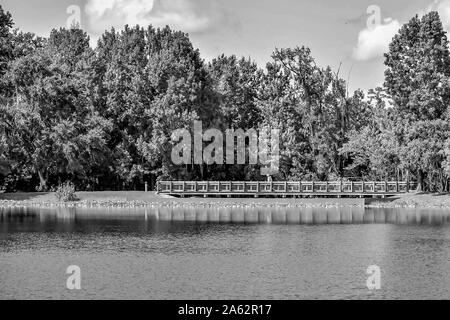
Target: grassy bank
414,200
84,199
84,196
141,199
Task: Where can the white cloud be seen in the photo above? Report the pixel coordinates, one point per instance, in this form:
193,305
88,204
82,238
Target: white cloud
185,15
443,7
374,42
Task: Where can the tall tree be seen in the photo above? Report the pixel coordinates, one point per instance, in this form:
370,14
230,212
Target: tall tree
234,84
418,81
6,49
178,81
310,106
61,134
418,61
123,97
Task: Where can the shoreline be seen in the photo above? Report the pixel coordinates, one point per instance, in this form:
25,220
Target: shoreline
130,200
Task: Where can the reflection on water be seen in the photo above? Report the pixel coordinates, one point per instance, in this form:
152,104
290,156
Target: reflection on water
206,252
234,214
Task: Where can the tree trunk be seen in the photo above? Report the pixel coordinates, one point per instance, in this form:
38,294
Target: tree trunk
421,186
42,181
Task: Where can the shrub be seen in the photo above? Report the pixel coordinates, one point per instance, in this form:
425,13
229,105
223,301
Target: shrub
66,192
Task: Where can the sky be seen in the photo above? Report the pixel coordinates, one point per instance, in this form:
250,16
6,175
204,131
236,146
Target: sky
350,33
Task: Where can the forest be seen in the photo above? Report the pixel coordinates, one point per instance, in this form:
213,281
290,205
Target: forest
102,117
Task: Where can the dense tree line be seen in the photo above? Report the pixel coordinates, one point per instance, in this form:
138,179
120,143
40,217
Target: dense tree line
103,117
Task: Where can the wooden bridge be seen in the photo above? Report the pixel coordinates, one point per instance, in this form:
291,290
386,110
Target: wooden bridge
284,189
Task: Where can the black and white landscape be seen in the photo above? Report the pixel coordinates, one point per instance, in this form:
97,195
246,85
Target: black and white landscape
209,149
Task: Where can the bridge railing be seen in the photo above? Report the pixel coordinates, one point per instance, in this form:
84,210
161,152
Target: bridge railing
289,187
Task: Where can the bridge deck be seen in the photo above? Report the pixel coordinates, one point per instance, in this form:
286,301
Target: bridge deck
284,189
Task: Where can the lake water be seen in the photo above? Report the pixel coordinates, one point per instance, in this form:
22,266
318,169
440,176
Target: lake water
227,253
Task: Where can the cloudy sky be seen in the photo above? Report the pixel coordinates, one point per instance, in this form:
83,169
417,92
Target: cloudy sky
354,32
